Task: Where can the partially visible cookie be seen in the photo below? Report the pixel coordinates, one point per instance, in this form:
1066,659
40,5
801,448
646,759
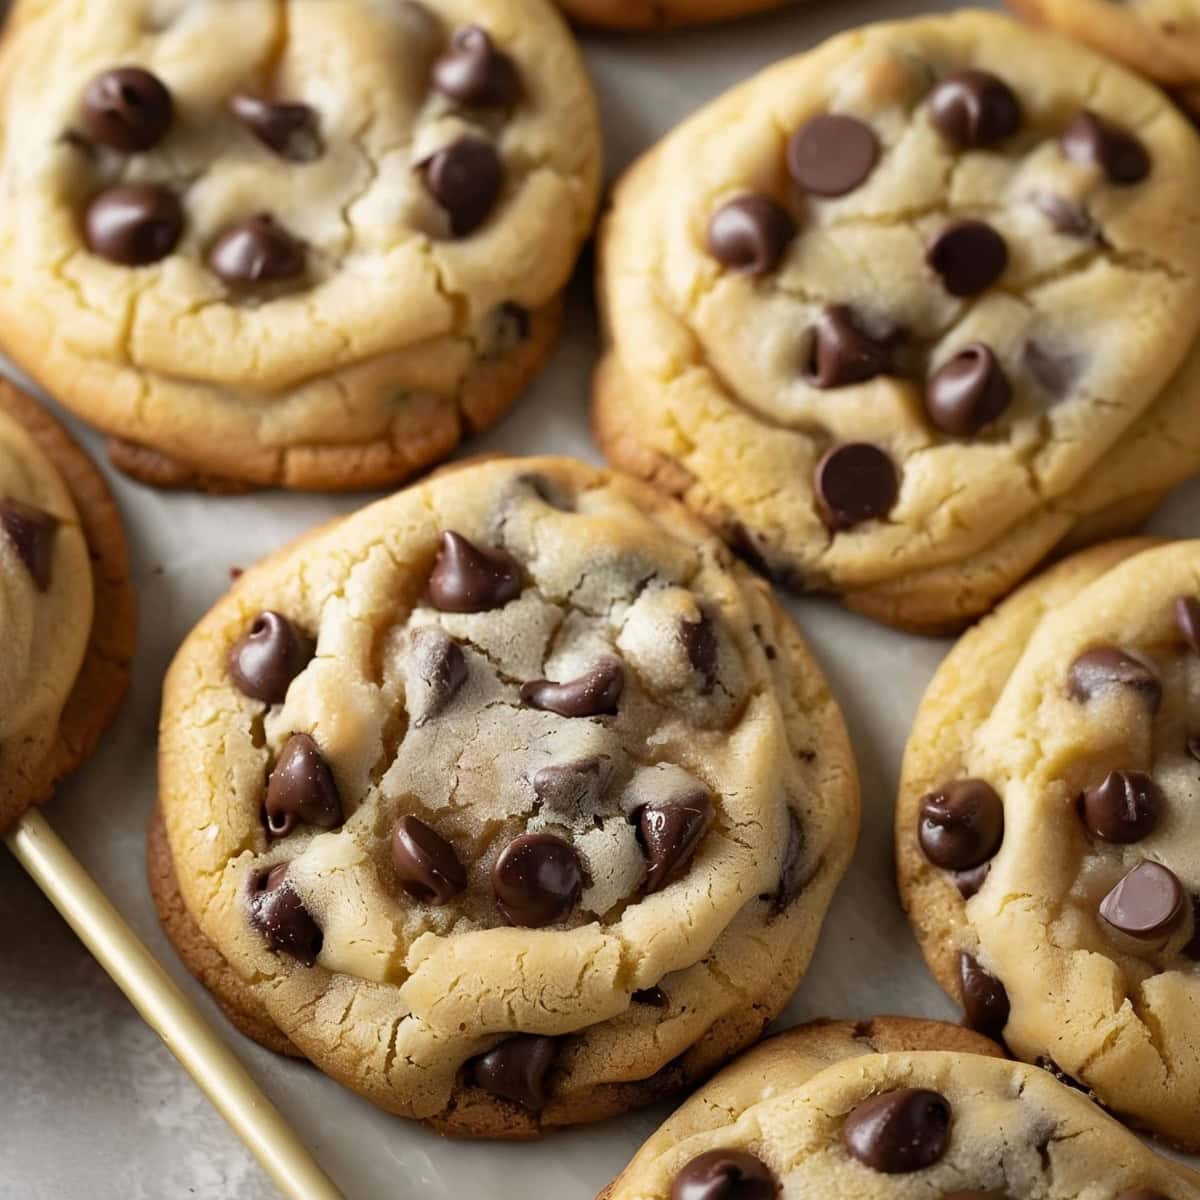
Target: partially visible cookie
67,620
661,14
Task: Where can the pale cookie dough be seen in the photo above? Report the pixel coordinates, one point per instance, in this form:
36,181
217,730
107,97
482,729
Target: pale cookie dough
67,619
892,1108
904,315
277,242
1048,826
662,14
512,801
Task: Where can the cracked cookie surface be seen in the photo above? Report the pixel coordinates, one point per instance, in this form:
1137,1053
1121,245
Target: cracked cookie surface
662,14
512,801
317,258
871,313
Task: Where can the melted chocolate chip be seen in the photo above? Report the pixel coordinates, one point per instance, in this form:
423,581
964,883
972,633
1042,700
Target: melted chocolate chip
700,644
791,873
537,880
1093,141
961,825
974,108
671,832
1187,617
1124,808
287,128
970,881
750,234
301,789
725,1175
984,998
854,483
832,154
1104,668
278,913
516,1070
969,392
1065,216
842,354
1054,371
426,865
441,667
1193,746
594,694
475,73
32,534
968,256
134,225
128,109
1192,948
263,663
1048,1064
1146,903
258,250
465,178
900,1131
468,579
652,997
573,790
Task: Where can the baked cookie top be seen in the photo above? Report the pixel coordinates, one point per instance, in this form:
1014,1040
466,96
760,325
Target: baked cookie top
1047,829
870,312
519,751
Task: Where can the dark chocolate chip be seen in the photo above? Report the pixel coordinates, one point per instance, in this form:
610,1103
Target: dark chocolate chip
1065,216
854,483
897,1132
258,250
652,997
702,648
1124,808
465,178
1146,903
832,154
134,224
593,694
426,865
750,234
1092,140
961,825
468,579
573,790
127,108
974,108
971,880
32,534
537,880
671,832
968,393
984,998
725,1175
969,256
301,789
1104,668
268,657
287,128
475,73
1192,949
278,913
791,873
1193,746
441,667
841,353
1187,617
1054,371
516,1070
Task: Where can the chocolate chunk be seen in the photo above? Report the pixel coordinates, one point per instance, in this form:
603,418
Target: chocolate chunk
968,392
671,832
1187,617
441,667
1054,371
725,1175
128,109
1093,141
841,353
1124,808
1065,216
258,250
832,154
425,863
854,483
750,234
968,256
594,694
1104,668
974,108
537,880
897,1132
652,997
301,789
263,663
1146,903
1192,948
516,1070
475,73
134,225
702,648
288,128
961,825
465,178
984,998
31,533
573,790
971,880
278,913
791,874
468,579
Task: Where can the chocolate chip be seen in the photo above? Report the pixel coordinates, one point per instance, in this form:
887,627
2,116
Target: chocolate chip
288,128
841,353
1193,746
263,663
1124,808
1104,668
593,694
791,873
1192,949
1143,1194
1093,141
301,789
652,997
671,832
1064,215
750,234
961,825
278,913
426,865
974,108
832,154
969,256
1187,617
441,667
854,483
573,790
897,1132
516,1070
537,880
465,178
127,108
968,392
475,73
468,579
1146,903
984,998
700,644
135,224
1048,1064
31,533
1054,371
971,880
258,250
725,1175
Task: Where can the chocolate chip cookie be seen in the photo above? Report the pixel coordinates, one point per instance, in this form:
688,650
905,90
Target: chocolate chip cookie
512,801
1046,828
871,312
892,1108
661,14
67,620
285,243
